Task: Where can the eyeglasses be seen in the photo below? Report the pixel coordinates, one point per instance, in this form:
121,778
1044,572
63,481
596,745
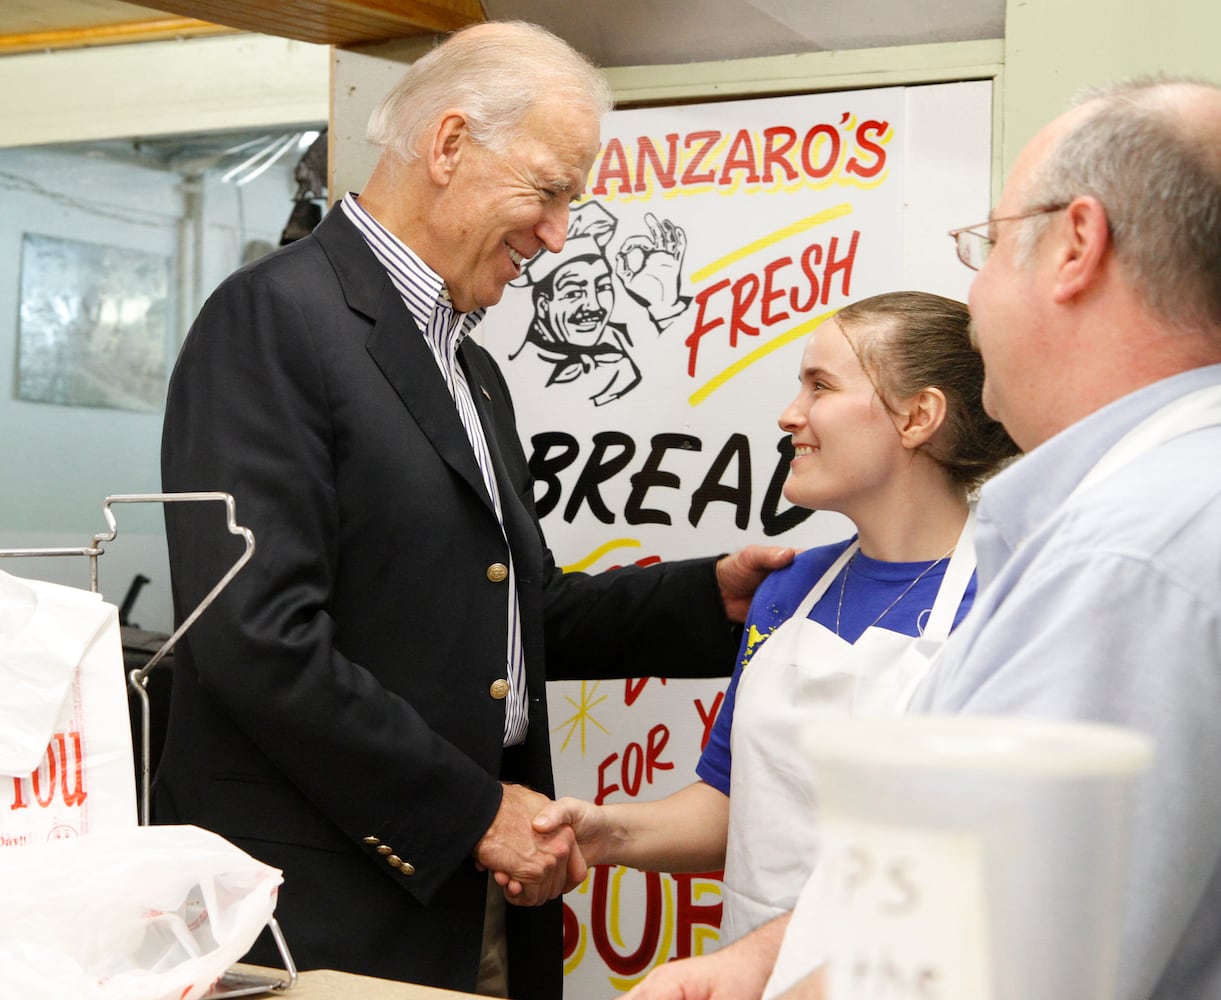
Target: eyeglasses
974,244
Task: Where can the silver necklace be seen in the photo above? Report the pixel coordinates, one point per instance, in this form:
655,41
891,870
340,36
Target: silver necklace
843,583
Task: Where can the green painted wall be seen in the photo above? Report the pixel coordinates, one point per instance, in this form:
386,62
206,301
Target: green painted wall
1053,48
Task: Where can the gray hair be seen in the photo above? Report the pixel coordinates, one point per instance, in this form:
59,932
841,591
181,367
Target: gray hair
1160,182
495,72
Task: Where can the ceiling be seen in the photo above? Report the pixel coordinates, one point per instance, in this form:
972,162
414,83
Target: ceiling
619,33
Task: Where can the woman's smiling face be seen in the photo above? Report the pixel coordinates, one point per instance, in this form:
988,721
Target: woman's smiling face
845,440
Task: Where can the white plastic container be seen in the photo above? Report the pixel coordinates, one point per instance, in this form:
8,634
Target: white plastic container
973,858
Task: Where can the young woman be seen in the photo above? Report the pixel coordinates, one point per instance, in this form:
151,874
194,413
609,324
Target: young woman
888,429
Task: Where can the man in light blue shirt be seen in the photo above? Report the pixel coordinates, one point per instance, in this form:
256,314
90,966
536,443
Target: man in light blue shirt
1104,603
1098,314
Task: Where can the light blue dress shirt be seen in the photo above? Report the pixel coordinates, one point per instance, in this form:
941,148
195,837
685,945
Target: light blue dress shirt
1105,605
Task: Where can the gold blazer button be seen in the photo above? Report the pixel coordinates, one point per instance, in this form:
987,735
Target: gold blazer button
499,689
498,572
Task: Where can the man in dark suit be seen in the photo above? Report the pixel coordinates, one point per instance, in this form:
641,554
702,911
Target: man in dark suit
364,705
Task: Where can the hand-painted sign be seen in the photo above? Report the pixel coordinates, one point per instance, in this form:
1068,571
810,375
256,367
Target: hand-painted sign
649,361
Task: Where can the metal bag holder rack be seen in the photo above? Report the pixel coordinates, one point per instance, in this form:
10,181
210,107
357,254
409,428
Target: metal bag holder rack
234,983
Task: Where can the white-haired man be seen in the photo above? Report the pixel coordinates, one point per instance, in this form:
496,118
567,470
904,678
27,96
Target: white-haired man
364,707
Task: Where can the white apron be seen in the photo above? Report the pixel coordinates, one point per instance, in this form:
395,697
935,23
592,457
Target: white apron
802,948
803,672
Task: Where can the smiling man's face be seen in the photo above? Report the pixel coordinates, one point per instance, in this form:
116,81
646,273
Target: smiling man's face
509,205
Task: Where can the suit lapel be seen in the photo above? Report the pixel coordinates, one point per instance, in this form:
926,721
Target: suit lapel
518,524
397,346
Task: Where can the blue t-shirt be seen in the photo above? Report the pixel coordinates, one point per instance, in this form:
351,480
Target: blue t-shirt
867,587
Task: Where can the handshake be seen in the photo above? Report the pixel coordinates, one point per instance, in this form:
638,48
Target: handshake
537,848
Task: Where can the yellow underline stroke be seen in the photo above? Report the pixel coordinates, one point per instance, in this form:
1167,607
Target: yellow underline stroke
760,352
792,229
599,552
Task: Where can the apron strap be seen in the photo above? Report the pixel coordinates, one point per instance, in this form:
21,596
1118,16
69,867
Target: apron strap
824,582
1194,411
954,584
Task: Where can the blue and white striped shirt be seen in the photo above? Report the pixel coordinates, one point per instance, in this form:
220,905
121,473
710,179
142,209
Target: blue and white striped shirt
427,299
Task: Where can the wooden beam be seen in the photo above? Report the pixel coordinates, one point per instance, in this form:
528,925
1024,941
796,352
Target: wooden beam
154,30
333,22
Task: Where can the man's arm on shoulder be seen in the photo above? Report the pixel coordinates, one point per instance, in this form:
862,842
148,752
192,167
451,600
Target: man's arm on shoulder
739,574
679,618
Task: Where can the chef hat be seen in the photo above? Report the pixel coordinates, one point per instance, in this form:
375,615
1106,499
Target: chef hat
590,228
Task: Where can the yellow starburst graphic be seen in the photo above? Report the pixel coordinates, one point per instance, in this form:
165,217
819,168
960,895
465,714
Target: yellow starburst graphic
583,714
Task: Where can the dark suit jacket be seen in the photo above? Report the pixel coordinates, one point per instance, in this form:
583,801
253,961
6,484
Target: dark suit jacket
331,711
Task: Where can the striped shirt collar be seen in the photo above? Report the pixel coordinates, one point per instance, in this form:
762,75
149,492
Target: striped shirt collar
422,289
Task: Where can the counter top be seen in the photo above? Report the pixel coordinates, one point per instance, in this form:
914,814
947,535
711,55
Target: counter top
327,984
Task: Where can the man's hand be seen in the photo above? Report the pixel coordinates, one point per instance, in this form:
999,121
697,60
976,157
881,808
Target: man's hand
709,977
737,972
530,866
587,821
813,987
738,575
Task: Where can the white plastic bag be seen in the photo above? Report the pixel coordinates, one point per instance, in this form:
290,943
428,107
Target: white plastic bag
66,763
151,913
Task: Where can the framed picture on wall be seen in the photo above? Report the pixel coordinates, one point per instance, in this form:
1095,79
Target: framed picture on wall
93,324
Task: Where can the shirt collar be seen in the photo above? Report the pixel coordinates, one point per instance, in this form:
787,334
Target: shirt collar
1020,498
423,289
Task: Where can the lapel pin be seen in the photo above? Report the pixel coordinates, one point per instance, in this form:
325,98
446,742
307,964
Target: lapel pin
486,395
